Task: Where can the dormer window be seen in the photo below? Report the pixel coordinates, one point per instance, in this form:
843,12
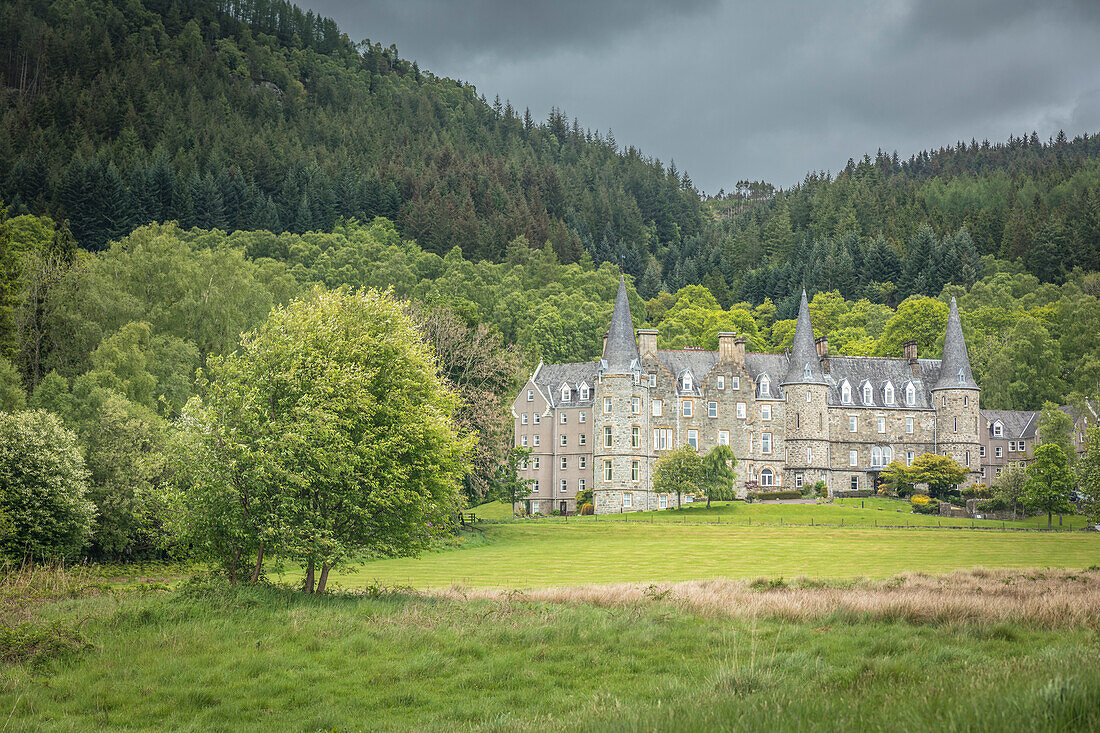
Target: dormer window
962,376
888,393
910,394
868,395
807,372
765,385
584,391
687,381
566,393
846,392
998,429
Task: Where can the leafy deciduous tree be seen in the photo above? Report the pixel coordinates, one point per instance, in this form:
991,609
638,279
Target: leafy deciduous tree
678,471
42,488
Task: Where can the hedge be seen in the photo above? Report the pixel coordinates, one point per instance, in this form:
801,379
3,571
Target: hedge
768,495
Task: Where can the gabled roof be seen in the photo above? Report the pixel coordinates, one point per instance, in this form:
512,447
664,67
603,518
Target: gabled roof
621,351
1017,423
878,370
550,377
955,367
805,364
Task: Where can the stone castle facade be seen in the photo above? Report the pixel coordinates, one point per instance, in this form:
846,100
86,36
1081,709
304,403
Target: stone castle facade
790,419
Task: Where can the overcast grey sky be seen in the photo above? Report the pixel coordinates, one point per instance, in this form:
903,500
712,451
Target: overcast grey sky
768,89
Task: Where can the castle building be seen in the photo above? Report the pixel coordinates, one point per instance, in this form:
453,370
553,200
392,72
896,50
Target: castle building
1009,436
791,419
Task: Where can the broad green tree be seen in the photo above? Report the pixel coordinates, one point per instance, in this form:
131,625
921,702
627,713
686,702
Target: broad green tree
678,472
941,473
898,477
508,485
1049,481
125,446
1011,487
1056,427
718,473
345,433
43,486
919,319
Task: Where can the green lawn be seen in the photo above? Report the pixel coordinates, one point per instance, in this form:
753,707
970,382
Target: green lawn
261,659
539,553
850,512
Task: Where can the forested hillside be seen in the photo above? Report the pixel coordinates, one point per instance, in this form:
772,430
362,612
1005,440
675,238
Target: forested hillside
252,114
886,229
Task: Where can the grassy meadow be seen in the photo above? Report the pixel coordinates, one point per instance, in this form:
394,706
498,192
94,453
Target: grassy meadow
690,620
729,540
909,653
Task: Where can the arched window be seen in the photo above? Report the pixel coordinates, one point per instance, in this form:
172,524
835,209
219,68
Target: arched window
910,394
767,478
888,393
687,381
565,393
765,385
846,392
876,456
868,394
887,455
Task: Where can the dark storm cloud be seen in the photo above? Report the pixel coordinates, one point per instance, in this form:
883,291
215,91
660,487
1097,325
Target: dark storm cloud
954,19
765,89
492,27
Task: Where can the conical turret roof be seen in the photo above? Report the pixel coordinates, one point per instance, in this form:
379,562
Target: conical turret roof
805,365
621,350
955,368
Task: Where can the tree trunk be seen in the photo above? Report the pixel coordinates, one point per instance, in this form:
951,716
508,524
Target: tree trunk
708,500
323,580
1050,520
259,564
233,563
308,586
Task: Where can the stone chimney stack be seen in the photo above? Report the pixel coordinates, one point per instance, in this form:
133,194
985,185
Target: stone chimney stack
731,348
822,345
909,349
604,350
647,341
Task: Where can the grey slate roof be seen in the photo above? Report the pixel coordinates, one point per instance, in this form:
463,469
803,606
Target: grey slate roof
551,376
773,365
805,364
621,351
955,369
699,363
1017,423
878,371
1089,413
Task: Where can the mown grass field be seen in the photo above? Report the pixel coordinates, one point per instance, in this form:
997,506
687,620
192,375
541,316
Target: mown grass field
851,512
538,553
210,657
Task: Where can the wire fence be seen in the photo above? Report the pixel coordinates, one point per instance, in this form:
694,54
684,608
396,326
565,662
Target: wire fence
1074,524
